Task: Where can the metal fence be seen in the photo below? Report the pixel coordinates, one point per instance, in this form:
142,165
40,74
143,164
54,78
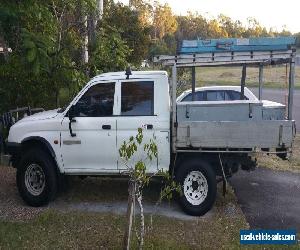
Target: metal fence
9,118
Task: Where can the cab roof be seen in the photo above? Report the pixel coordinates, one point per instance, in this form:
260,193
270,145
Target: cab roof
134,75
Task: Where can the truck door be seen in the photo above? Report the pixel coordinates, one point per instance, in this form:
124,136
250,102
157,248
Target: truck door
94,148
138,109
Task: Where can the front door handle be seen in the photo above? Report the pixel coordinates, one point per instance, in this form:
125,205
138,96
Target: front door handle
106,127
149,126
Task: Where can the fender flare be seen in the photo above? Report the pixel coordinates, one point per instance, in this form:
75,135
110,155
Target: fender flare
43,141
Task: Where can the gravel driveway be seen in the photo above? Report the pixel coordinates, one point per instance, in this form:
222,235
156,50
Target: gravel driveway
11,205
93,195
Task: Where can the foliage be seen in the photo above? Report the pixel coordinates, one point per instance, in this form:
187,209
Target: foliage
191,26
138,179
42,59
110,53
164,21
144,9
47,40
166,46
133,33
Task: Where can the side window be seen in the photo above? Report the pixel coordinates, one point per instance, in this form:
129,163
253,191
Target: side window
215,95
97,101
229,96
234,95
199,96
188,98
137,98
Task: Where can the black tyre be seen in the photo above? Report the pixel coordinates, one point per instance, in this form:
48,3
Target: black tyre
37,178
199,186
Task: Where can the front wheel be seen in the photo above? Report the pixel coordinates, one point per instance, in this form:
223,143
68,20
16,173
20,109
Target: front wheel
199,187
37,178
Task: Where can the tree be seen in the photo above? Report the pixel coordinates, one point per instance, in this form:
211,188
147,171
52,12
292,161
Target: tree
215,30
44,49
192,26
136,156
126,22
144,9
50,53
165,46
110,53
229,27
164,22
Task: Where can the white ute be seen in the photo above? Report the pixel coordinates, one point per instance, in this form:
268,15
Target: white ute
84,138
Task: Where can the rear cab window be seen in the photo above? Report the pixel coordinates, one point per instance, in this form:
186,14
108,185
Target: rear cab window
137,98
199,96
214,95
232,95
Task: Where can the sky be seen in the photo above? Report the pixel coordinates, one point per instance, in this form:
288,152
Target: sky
270,13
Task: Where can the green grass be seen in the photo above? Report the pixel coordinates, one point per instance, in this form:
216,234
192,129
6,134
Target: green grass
274,77
94,230
55,229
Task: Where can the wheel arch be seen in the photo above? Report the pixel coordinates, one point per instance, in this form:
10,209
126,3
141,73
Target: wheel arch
212,159
37,140
33,141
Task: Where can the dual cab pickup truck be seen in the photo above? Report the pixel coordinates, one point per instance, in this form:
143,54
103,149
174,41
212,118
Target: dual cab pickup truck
207,140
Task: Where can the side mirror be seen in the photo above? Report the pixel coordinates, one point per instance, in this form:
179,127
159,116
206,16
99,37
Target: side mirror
72,112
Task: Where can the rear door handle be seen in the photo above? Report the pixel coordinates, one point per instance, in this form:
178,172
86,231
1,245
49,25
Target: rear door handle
106,127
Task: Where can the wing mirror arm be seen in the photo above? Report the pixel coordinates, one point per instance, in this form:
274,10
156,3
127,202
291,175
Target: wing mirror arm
71,114
70,127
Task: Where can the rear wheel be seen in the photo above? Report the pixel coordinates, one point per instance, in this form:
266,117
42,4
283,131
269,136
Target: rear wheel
37,178
199,186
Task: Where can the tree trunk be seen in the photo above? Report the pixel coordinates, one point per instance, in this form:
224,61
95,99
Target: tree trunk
94,18
99,10
130,207
92,22
142,225
85,51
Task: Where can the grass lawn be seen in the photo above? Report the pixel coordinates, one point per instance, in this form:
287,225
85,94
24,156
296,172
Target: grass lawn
274,162
99,230
274,77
